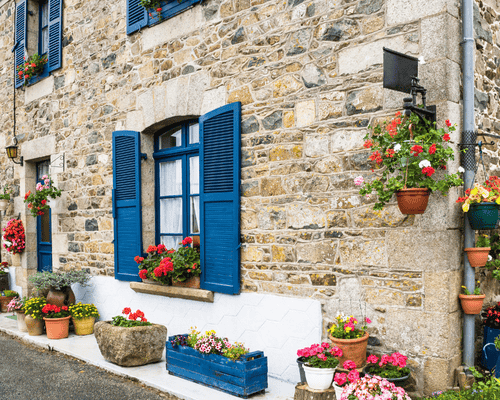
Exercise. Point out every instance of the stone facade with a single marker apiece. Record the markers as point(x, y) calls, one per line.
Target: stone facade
point(309, 76)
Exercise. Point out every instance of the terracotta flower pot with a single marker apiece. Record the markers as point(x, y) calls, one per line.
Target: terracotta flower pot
point(352, 349)
point(35, 326)
point(193, 282)
point(61, 298)
point(57, 328)
point(4, 301)
point(471, 303)
point(84, 326)
point(478, 256)
point(413, 201)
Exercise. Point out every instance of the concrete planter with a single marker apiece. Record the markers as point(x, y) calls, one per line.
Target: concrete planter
point(130, 347)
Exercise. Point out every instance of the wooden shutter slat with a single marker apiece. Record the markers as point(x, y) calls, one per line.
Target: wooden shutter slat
point(21, 33)
point(55, 35)
point(137, 16)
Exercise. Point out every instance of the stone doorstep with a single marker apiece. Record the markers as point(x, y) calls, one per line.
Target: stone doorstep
point(173, 291)
point(153, 375)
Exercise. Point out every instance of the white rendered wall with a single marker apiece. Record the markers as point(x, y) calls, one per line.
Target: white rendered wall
point(276, 325)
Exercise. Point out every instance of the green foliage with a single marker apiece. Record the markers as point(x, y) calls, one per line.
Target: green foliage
point(497, 342)
point(235, 352)
point(186, 262)
point(476, 291)
point(390, 371)
point(483, 241)
point(401, 165)
point(6, 193)
point(32, 67)
point(37, 201)
point(120, 320)
point(10, 293)
point(59, 280)
point(493, 264)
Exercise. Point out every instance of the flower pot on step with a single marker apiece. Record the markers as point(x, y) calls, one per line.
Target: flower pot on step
point(352, 349)
point(57, 328)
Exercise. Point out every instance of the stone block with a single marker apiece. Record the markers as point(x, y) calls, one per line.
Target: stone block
point(299, 42)
point(443, 77)
point(445, 27)
point(316, 145)
point(347, 140)
point(285, 86)
point(271, 217)
point(305, 217)
point(441, 291)
point(337, 219)
point(243, 94)
point(129, 347)
point(316, 252)
point(365, 100)
point(282, 153)
point(40, 89)
point(438, 374)
point(384, 297)
point(365, 252)
point(282, 254)
point(251, 254)
point(404, 11)
point(271, 187)
point(312, 76)
point(327, 110)
point(39, 148)
point(390, 216)
point(423, 250)
point(305, 112)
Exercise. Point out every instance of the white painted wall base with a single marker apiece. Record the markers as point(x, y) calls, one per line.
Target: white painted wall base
point(277, 325)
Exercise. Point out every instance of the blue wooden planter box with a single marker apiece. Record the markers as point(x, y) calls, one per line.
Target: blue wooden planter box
point(241, 378)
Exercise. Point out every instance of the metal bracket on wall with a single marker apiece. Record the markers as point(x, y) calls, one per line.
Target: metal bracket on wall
point(61, 163)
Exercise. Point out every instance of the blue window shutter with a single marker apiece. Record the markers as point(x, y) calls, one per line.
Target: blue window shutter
point(220, 199)
point(137, 16)
point(127, 204)
point(21, 33)
point(55, 34)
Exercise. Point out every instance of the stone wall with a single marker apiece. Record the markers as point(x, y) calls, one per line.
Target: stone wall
point(309, 76)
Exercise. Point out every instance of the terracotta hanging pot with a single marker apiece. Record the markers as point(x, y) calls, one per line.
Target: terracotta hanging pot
point(193, 282)
point(471, 303)
point(478, 256)
point(352, 349)
point(60, 298)
point(413, 201)
point(57, 328)
point(34, 326)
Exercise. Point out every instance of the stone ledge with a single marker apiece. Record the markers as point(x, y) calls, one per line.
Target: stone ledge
point(172, 291)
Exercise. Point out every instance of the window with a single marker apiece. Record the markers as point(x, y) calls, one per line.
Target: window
point(178, 184)
point(38, 30)
point(138, 17)
point(197, 176)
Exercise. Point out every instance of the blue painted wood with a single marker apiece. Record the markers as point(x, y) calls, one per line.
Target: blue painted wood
point(242, 378)
point(171, 8)
point(127, 203)
point(55, 35)
point(137, 16)
point(44, 248)
point(220, 164)
point(21, 34)
point(490, 354)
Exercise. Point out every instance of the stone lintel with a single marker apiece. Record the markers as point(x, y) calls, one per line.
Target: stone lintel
point(173, 291)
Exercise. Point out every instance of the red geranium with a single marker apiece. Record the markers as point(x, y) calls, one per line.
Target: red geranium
point(14, 237)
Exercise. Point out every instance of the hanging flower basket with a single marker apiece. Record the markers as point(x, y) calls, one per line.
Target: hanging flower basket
point(413, 201)
point(483, 216)
point(14, 237)
point(37, 202)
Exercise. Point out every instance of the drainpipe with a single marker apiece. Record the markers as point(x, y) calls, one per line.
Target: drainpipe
point(469, 162)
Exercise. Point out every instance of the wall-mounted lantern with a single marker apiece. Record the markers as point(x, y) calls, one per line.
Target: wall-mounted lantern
point(12, 153)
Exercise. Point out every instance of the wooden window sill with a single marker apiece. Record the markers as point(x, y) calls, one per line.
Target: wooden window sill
point(173, 291)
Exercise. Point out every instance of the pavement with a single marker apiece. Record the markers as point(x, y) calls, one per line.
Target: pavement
point(153, 375)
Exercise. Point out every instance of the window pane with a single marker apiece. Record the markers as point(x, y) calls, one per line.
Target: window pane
point(45, 40)
point(195, 214)
point(194, 175)
point(45, 226)
point(45, 15)
point(171, 215)
point(194, 133)
point(42, 169)
point(172, 138)
point(171, 242)
point(171, 178)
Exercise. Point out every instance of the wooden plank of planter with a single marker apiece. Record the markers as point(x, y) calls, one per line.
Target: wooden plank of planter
point(304, 392)
point(173, 291)
point(241, 378)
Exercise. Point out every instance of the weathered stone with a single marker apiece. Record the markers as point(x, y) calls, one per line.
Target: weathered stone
point(316, 146)
point(316, 252)
point(366, 252)
point(299, 42)
point(281, 153)
point(251, 254)
point(271, 187)
point(239, 36)
point(347, 140)
point(250, 125)
point(249, 189)
point(364, 101)
point(369, 6)
point(286, 86)
point(91, 160)
point(273, 121)
point(305, 217)
point(480, 100)
point(323, 279)
point(312, 76)
point(305, 112)
point(339, 30)
point(282, 254)
point(389, 216)
point(130, 347)
point(337, 219)
point(329, 110)
point(242, 94)
point(91, 225)
point(271, 218)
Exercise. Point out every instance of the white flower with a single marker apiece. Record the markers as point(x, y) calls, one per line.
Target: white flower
point(424, 163)
point(8, 243)
point(397, 147)
point(490, 258)
point(461, 170)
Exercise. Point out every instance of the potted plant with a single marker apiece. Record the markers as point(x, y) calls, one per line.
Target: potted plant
point(14, 236)
point(33, 309)
point(493, 262)
point(481, 204)
point(5, 198)
point(472, 303)
point(17, 305)
point(156, 266)
point(320, 363)
point(186, 265)
point(6, 297)
point(374, 388)
point(478, 256)
point(56, 321)
point(57, 285)
point(84, 316)
point(350, 338)
point(4, 276)
point(342, 379)
point(38, 201)
point(130, 341)
point(491, 330)
point(32, 67)
point(409, 151)
point(214, 361)
point(391, 367)
point(153, 6)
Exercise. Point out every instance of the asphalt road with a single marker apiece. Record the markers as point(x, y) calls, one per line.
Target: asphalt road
point(29, 373)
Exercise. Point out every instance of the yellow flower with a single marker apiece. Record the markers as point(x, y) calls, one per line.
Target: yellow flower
point(474, 191)
point(465, 207)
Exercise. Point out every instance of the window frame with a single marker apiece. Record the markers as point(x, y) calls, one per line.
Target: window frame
point(183, 152)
